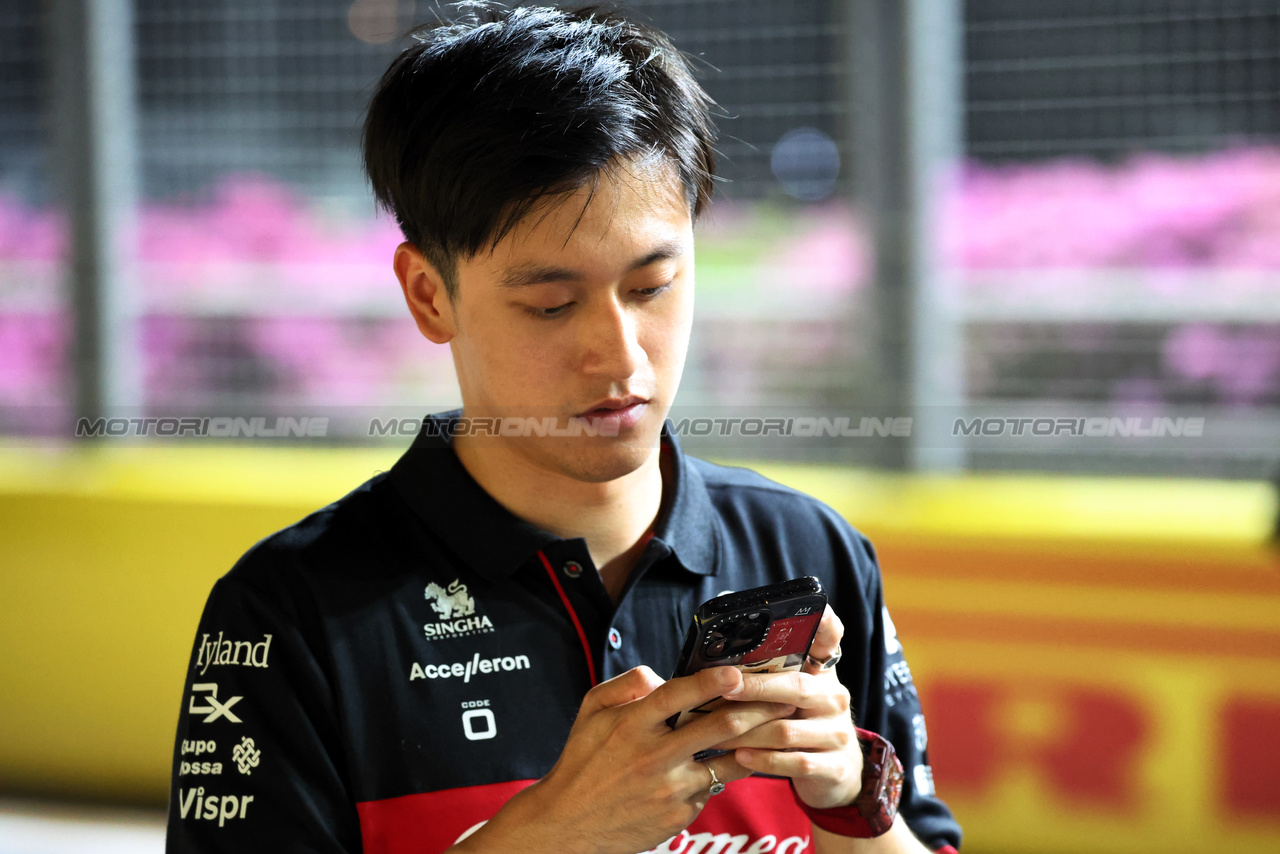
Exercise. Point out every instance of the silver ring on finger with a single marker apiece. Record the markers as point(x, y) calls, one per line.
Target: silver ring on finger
point(716, 786)
point(824, 663)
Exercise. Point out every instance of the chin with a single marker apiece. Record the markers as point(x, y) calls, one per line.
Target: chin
point(603, 464)
point(601, 459)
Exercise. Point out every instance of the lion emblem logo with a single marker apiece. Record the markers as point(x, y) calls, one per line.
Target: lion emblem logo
point(451, 603)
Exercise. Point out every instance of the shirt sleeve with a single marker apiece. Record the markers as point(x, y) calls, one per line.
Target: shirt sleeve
point(894, 711)
point(258, 763)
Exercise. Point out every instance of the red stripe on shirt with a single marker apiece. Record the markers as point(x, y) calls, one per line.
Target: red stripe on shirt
point(757, 813)
point(582, 636)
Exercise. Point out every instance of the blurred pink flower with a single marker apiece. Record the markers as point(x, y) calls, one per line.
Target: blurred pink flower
point(1242, 365)
point(1153, 210)
point(256, 241)
point(29, 234)
point(34, 360)
point(829, 256)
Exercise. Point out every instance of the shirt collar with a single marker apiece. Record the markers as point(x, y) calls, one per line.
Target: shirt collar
point(495, 542)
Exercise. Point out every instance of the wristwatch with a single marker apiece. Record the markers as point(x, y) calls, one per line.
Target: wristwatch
point(872, 812)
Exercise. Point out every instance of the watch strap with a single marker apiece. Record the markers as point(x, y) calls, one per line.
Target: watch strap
point(874, 809)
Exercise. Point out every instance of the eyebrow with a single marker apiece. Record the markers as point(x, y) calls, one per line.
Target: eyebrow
point(537, 274)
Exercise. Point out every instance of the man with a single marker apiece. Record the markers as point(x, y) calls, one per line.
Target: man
point(467, 652)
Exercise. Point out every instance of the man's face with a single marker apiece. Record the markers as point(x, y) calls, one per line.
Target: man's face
point(584, 310)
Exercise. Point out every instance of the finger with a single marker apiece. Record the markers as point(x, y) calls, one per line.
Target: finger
point(813, 694)
point(728, 721)
point(636, 683)
point(690, 692)
point(826, 642)
point(728, 770)
point(799, 764)
point(793, 734)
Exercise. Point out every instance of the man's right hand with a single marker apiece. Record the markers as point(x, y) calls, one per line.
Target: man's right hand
point(625, 781)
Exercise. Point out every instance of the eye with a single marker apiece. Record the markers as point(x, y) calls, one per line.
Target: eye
point(547, 313)
point(650, 293)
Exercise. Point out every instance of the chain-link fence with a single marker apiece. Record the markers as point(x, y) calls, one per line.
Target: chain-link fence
point(1128, 181)
point(1109, 244)
point(1107, 78)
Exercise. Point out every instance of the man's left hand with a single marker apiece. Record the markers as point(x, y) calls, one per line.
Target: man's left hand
point(817, 746)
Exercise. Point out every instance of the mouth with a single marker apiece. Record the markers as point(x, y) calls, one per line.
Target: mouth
point(617, 412)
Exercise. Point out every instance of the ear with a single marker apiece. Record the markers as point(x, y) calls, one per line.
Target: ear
point(425, 294)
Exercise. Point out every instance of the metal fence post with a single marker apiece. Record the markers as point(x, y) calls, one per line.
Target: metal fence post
point(95, 123)
point(935, 93)
point(907, 139)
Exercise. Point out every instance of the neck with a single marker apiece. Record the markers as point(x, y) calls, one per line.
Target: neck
point(613, 517)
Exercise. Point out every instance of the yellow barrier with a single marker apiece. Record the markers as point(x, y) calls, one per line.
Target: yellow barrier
point(1100, 659)
point(109, 555)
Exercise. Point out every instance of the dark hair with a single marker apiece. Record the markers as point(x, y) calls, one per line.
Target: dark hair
point(492, 112)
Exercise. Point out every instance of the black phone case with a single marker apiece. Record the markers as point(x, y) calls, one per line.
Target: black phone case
point(794, 608)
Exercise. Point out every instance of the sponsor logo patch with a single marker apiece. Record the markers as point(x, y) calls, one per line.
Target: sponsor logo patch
point(217, 652)
point(450, 602)
point(194, 803)
point(455, 612)
point(891, 643)
point(919, 733)
point(685, 842)
point(214, 709)
point(197, 747)
point(923, 775)
point(479, 725)
point(466, 669)
point(898, 685)
point(199, 768)
point(725, 843)
point(246, 756)
point(458, 628)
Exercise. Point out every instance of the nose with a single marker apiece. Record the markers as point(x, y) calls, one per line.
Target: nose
point(611, 342)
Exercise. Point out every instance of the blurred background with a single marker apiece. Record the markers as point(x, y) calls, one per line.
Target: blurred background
point(1008, 273)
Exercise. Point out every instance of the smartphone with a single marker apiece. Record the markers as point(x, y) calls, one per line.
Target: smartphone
point(762, 630)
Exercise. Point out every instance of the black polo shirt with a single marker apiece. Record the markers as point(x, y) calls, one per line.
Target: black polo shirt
point(386, 673)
